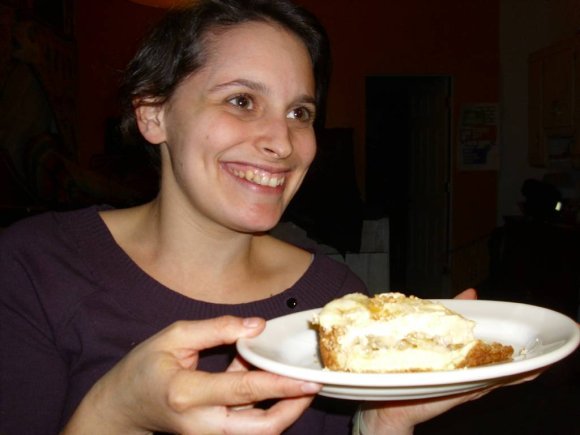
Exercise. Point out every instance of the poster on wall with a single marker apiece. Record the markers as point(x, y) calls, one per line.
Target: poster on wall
point(479, 137)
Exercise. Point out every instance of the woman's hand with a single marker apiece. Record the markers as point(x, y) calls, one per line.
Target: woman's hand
point(156, 387)
point(401, 417)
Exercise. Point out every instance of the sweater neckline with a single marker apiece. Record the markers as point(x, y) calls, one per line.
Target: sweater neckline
point(147, 298)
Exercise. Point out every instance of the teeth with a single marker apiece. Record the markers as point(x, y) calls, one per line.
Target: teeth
point(262, 180)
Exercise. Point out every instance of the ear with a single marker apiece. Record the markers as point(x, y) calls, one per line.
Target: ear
point(150, 121)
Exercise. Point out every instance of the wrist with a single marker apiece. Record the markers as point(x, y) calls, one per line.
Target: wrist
point(96, 414)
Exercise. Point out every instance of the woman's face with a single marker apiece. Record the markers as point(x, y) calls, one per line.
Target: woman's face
point(238, 134)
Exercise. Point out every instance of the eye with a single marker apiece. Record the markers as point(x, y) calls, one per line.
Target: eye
point(302, 114)
point(243, 102)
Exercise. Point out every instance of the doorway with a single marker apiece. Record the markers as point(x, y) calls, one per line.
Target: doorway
point(408, 176)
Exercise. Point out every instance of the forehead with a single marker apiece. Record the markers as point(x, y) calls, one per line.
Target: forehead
point(250, 32)
point(259, 44)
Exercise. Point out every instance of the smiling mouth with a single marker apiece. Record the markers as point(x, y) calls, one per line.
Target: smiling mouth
point(261, 179)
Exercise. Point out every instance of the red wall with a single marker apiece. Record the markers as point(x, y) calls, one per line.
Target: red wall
point(453, 37)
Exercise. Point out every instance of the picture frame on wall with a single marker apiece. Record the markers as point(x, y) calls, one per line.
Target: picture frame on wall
point(479, 137)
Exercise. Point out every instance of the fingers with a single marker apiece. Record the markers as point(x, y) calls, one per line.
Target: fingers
point(273, 420)
point(520, 379)
point(232, 395)
point(189, 389)
point(470, 293)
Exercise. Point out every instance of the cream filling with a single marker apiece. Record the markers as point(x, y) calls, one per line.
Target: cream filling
point(363, 358)
point(261, 179)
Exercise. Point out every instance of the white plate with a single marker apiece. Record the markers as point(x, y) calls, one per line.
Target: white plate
point(540, 337)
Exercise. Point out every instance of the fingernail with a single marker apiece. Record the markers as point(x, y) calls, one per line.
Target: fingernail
point(252, 322)
point(310, 387)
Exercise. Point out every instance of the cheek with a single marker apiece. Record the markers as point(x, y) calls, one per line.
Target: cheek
point(200, 145)
point(222, 132)
point(306, 149)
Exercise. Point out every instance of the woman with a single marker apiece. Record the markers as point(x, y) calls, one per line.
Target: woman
point(122, 321)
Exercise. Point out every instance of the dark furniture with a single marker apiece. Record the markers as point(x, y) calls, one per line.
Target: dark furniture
point(537, 262)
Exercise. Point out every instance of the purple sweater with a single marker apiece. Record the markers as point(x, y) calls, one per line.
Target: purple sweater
point(72, 303)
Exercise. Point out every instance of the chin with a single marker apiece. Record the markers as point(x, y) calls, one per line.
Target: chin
point(258, 225)
point(256, 228)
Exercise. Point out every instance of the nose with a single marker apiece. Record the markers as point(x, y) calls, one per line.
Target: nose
point(276, 139)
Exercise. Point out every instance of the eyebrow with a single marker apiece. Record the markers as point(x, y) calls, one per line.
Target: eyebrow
point(259, 87)
point(250, 84)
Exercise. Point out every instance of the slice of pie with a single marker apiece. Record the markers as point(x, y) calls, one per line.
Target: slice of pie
point(391, 332)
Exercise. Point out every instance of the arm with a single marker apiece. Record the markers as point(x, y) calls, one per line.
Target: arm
point(156, 388)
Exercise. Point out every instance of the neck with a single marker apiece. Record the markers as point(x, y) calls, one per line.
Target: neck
point(181, 237)
point(202, 262)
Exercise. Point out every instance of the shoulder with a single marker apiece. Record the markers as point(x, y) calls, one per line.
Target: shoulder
point(331, 267)
point(46, 227)
point(45, 248)
point(29, 237)
point(26, 227)
point(43, 272)
point(331, 277)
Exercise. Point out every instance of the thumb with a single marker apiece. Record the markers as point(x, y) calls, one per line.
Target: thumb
point(470, 293)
